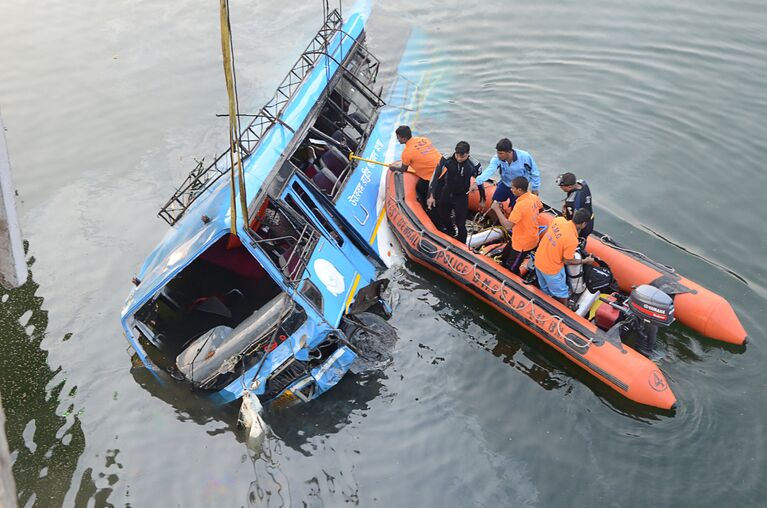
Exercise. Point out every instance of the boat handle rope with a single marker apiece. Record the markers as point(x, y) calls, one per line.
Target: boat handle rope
point(421, 245)
point(417, 232)
point(506, 300)
point(615, 245)
point(450, 265)
point(531, 302)
point(561, 334)
point(420, 242)
point(413, 230)
point(567, 338)
point(478, 278)
point(543, 321)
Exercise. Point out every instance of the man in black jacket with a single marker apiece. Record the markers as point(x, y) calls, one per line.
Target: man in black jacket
point(449, 189)
point(578, 196)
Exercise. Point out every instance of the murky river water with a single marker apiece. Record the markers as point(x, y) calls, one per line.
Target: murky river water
point(661, 106)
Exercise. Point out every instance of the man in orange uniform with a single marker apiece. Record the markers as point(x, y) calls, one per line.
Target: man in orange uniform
point(523, 223)
point(557, 249)
point(420, 156)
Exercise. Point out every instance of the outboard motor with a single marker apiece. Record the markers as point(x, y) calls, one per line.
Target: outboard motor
point(648, 308)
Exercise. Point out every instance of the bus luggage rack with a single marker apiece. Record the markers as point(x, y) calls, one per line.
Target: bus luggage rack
point(202, 177)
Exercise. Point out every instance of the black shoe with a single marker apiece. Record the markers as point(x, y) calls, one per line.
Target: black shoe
point(530, 278)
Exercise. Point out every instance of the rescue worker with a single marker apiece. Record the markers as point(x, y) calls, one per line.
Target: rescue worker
point(449, 189)
point(557, 249)
point(511, 162)
point(578, 196)
point(420, 156)
point(523, 223)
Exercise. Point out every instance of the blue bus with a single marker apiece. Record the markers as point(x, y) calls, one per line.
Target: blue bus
point(275, 309)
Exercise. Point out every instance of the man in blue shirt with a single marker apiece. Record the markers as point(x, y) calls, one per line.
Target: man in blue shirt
point(511, 163)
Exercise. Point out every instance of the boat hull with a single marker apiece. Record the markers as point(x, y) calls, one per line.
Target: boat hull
point(696, 307)
point(616, 365)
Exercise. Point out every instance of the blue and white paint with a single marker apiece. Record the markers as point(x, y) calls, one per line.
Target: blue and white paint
point(337, 268)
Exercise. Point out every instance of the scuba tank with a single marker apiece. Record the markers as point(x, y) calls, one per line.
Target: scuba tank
point(575, 276)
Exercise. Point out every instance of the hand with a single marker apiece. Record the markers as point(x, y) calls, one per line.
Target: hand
point(395, 166)
point(430, 202)
point(589, 259)
point(534, 192)
point(472, 187)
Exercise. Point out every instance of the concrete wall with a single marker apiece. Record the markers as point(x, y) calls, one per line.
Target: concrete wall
point(13, 270)
point(7, 487)
point(12, 273)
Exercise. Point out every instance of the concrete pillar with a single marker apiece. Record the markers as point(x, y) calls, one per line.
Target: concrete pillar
point(13, 270)
point(7, 486)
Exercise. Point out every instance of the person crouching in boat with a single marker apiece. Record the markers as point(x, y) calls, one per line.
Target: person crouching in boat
point(522, 222)
point(510, 162)
point(420, 156)
point(557, 249)
point(450, 183)
point(578, 196)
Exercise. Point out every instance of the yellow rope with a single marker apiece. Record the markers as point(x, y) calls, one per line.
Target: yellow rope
point(235, 156)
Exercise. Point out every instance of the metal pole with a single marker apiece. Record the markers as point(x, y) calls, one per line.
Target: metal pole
point(354, 157)
point(12, 266)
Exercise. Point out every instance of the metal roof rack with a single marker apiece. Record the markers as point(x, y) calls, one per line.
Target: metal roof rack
point(202, 177)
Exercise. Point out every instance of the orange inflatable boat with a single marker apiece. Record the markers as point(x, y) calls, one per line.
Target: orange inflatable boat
point(578, 337)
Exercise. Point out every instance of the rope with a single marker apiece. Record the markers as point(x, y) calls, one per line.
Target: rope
point(531, 302)
point(420, 240)
point(418, 232)
point(449, 264)
point(235, 155)
point(503, 285)
point(533, 314)
point(608, 240)
point(421, 245)
point(477, 278)
point(542, 321)
point(558, 329)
